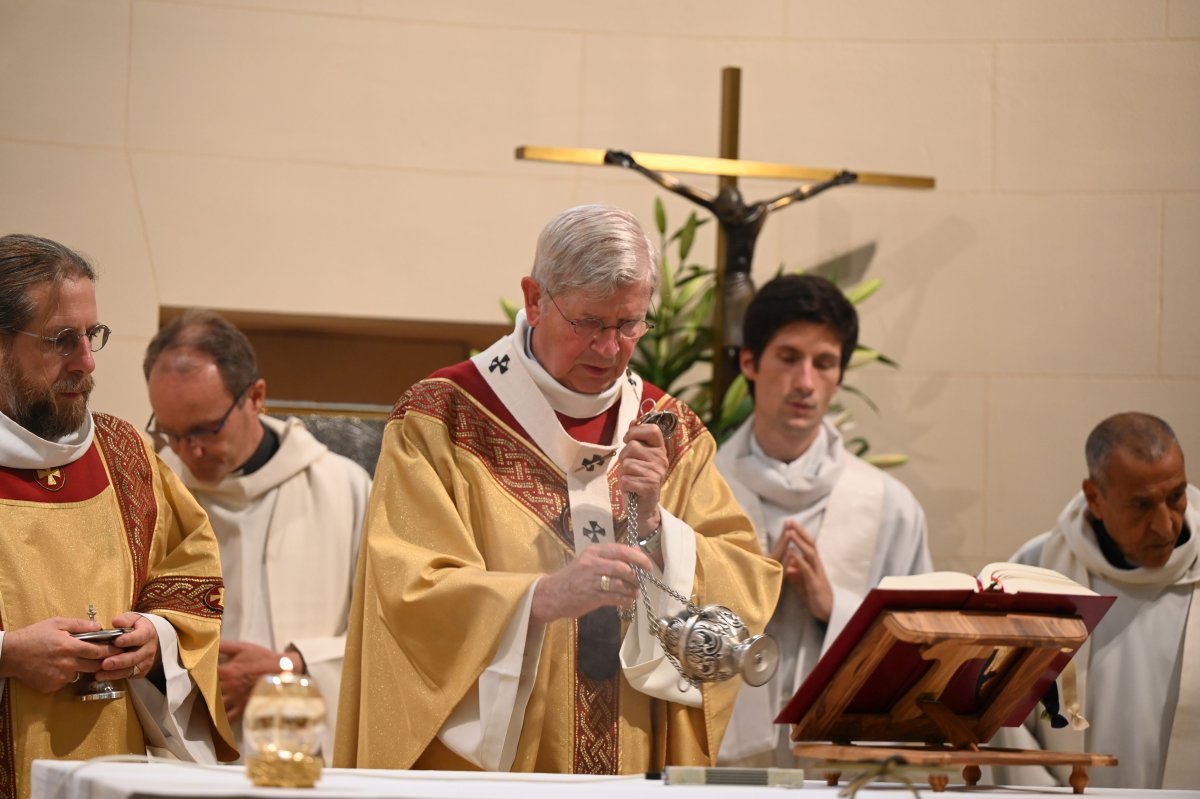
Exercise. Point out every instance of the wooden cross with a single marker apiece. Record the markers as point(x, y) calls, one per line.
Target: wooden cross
point(737, 234)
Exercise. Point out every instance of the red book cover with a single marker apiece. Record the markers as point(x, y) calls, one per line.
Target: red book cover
point(903, 666)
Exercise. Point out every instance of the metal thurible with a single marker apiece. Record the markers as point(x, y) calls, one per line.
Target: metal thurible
point(708, 644)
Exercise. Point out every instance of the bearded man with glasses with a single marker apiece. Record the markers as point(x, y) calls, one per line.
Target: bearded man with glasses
point(93, 525)
point(287, 511)
point(485, 631)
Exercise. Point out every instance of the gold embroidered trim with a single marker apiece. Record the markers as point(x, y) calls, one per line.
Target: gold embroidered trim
point(133, 481)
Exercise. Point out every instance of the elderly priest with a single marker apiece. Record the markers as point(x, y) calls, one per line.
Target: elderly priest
point(1131, 532)
point(93, 526)
point(485, 631)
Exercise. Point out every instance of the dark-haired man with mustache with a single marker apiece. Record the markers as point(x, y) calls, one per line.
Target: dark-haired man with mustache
point(91, 524)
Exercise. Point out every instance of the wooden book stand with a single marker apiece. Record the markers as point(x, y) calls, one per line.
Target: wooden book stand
point(942, 682)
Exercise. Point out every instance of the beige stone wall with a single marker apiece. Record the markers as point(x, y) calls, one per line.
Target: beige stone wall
point(356, 157)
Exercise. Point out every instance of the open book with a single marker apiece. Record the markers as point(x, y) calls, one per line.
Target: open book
point(984, 649)
point(1010, 578)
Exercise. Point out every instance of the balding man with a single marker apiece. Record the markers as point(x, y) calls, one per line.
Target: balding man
point(287, 511)
point(1131, 533)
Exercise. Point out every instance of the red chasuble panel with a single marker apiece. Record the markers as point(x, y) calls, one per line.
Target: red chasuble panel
point(75, 482)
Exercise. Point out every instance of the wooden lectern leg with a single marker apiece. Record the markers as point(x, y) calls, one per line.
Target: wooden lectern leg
point(972, 774)
point(832, 777)
point(1079, 778)
point(938, 782)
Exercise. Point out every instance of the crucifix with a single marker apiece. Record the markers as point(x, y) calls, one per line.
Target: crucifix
point(739, 222)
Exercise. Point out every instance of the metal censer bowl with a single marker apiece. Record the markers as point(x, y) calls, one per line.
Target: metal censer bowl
point(712, 644)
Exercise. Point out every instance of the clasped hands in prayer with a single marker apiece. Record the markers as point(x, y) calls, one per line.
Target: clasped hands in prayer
point(603, 575)
point(803, 569)
point(47, 658)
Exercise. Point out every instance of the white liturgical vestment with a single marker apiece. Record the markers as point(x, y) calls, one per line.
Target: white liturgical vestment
point(289, 535)
point(867, 526)
point(1138, 674)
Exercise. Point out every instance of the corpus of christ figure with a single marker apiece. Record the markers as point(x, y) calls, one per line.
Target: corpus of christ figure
point(741, 223)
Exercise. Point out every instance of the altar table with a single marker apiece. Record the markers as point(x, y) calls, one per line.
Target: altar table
point(59, 779)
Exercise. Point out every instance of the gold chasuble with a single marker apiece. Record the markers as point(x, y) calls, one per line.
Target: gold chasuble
point(116, 529)
point(466, 513)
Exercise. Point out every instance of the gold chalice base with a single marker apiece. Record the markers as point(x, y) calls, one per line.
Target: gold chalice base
point(274, 772)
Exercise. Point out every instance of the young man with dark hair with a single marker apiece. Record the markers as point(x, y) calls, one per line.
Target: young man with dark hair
point(835, 523)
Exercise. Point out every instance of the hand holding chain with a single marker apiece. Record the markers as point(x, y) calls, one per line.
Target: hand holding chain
point(707, 644)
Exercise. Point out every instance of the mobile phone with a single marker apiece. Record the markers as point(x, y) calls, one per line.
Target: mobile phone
point(102, 636)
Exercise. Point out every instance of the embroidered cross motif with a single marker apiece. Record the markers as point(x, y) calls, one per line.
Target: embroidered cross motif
point(215, 598)
point(593, 532)
point(499, 363)
point(51, 479)
point(591, 463)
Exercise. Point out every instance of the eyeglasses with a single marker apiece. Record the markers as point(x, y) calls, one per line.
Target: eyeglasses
point(67, 340)
point(591, 328)
point(197, 435)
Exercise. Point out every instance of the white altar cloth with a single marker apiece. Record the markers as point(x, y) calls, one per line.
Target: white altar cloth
point(59, 779)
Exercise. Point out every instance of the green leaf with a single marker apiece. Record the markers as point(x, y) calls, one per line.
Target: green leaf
point(695, 225)
point(840, 417)
point(858, 445)
point(861, 395)
point(687, 288)
point(859, 292)
point(863, 356)
point(739, 389)
point(687, 237)
point(510, 309)
point(666, 286)
point(660, 216)
point(887, 461)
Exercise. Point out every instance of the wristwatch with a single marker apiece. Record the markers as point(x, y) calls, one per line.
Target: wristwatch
point(651, 544)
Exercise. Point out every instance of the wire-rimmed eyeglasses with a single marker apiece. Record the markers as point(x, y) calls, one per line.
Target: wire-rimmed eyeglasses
point(67, 340)
point(201, 434)
point(590, 327)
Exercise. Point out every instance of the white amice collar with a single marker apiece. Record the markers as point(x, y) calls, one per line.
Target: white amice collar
point(796, 485)
point(21, 449)
point(1183, 567)
point(805, 467)
point(561, 399)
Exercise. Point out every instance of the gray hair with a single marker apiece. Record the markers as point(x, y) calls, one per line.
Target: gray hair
point(1145, 437)
point(211, 334)
point(27, 261)
point(595, 249)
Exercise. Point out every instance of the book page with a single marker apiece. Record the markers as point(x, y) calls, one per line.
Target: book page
point(930, 581)
point(1013, 578)
point(1010, 578)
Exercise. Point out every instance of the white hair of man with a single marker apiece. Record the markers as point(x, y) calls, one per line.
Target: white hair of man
point(595, 249)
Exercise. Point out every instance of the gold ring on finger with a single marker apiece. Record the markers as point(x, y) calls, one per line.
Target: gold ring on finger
point(605, 583)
